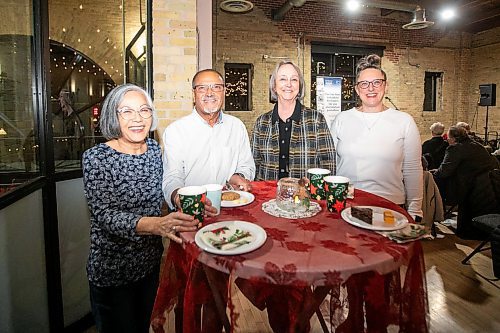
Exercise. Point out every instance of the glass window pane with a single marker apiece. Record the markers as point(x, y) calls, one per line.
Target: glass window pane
point(18, 144)
point(344, 64)
point(90, 55)
point(321, 64)
point(238, 78)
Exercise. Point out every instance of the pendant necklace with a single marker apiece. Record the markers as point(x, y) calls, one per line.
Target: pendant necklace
point(373, 120)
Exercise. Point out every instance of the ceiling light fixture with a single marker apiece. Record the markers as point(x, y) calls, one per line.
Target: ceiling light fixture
point(419, 21)
point(236, 6)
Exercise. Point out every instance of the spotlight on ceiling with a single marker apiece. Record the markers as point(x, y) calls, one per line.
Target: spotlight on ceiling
point(448, 14)
point(352, 5)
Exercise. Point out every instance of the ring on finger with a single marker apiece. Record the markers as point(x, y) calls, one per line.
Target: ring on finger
point(174, 228)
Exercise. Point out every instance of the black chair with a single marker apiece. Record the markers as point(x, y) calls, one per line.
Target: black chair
point(489, 225)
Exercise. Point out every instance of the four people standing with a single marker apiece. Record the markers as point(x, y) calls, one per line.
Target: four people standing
point(376, 146)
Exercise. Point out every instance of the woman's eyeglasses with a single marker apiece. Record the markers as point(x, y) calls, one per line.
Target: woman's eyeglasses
point(129, 113)
point(203, 88)
point(375, 83)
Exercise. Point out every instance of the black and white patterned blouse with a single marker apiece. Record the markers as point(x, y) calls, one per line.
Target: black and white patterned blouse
point(120, 189)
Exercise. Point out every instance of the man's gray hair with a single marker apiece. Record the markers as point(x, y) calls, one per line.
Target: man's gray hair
point(109, 122)
point(272, 81)
point(437, 128)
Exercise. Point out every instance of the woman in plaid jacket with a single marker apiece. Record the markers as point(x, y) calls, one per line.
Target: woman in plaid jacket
point(290, 138)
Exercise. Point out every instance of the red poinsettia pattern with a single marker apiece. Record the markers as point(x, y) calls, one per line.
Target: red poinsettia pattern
point(322, 250)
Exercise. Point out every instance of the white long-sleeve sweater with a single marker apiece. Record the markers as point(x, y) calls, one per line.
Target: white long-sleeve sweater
point(381, 154)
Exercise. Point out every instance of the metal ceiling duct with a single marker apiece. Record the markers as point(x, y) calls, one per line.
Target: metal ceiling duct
point(279, 14)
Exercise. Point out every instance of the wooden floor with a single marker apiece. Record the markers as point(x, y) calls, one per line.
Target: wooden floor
point(462, 298)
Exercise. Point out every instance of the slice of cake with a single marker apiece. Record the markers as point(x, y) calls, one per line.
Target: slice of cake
point(388, 217)
point(363, 214)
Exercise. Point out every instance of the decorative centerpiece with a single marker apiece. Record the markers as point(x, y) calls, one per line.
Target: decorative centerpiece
point(292, 195)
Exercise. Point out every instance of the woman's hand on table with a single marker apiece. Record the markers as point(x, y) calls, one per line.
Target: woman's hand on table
point(167, 226)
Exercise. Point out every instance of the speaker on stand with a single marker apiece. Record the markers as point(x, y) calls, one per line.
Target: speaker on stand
point(488, 97)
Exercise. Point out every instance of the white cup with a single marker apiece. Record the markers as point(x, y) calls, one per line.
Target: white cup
point(214, 193)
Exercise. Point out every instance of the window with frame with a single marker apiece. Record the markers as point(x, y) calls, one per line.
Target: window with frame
point(338, 61)
point(432, 90)
point(238, 78)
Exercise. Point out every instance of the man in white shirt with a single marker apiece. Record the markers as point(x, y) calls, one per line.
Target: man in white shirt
point(207, 146)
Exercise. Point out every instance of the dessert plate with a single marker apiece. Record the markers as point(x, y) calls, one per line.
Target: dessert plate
point(378, 219)
point(230, 237)
point(244, 199)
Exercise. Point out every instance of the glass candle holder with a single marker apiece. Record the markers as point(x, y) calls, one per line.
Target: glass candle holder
point(292, 195)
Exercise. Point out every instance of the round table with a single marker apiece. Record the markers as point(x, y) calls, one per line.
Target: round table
point(322, 253)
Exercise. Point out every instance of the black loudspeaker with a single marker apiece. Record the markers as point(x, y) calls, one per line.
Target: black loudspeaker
point(488, 94)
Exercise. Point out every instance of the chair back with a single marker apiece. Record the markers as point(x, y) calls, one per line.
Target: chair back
point(495, 183)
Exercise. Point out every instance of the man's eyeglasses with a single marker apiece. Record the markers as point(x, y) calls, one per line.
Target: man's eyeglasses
point(375, 83)
point(129, 113)
point(203, 88)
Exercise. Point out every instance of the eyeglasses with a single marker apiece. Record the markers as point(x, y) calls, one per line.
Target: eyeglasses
point(129, 113)
point(375, 83)
point(203, 88)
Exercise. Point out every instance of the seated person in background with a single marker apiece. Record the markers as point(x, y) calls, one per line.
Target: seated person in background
point(434, 148)
point(207, 146)
point(471, 134)
point(466, 166)
point(290, 138)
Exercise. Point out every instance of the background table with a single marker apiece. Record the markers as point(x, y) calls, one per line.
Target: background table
point(383, 282)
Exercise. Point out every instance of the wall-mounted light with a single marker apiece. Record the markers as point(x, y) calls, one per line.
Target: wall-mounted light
point(2, 131)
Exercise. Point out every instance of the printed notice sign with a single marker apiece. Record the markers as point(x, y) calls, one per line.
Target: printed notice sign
point(329, 96)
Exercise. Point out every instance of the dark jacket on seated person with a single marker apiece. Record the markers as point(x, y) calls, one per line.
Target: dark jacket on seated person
point(434, 150)
point(466, 167)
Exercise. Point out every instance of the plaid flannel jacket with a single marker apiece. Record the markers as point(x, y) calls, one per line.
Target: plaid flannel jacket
point(311, 145)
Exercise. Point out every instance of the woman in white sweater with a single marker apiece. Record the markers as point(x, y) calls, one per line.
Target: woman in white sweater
point(379, 147)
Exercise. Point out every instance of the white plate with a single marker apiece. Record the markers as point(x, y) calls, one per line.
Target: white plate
point(378, 219)
point(257, 237)
point(244, 199)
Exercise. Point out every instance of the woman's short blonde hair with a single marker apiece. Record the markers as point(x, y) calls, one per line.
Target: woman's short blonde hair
point(272, 81)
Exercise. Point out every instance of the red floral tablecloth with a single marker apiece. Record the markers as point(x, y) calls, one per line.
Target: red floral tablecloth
point(372, 281)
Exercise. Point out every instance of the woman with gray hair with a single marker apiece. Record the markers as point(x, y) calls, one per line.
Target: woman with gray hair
point(122, 182)
point(433, 149)
point(290, 138)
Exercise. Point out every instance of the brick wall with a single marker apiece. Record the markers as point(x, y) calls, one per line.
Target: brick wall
point(408, 55)
point(174, 58)
point(484, 69)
